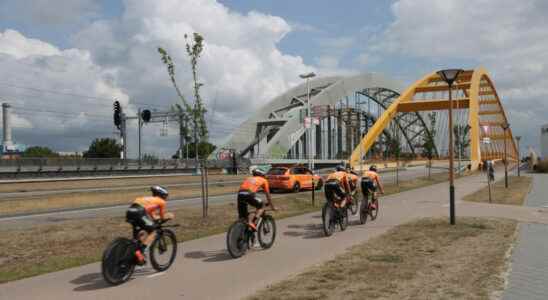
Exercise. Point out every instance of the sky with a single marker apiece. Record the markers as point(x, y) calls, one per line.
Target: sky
point(64, 61)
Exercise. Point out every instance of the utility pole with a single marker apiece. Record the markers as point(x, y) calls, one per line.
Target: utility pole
point(308, 115)
point(505, 127)
point(139, 125)
point(519, 158)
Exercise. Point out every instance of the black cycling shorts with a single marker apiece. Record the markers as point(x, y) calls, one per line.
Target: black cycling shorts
point(367, 185)
point(245, 198)
point(138, 217)
point(333, 190)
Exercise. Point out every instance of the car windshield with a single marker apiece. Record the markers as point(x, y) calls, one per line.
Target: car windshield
point(277, 171)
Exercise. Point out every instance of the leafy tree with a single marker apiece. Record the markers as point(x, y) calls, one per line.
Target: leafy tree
point(103, 148)
point(429, 146)
point(37, 151)
point(149, 158)
point(204, 150)
point(462, 138)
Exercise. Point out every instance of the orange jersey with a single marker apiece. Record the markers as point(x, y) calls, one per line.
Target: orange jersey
point(340, 176)
point(371, 174)
point(152, 205)
point(254, 184)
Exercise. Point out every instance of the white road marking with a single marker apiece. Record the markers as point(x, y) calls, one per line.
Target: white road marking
point(156, 275)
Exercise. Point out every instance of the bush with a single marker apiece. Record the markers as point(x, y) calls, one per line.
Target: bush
point(542, 166)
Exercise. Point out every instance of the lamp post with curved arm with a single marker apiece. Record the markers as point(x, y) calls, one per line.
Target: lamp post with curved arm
point(449, 76)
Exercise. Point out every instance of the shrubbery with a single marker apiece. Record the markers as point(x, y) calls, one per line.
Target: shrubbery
point(542, 166)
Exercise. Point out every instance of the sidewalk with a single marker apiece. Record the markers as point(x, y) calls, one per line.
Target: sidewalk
point(203, 269)
point(529, 264)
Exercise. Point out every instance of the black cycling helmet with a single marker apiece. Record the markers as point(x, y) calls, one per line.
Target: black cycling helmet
point(158, 191)
point(373, 168)
point(258, 172)
point(340, 168)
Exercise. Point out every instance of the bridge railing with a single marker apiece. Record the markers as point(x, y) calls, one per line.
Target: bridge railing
point(64, 166)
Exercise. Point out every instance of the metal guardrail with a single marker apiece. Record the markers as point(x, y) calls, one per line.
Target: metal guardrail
point(26, 167)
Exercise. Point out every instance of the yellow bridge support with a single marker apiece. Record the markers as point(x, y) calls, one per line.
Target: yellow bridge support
point(486, 114)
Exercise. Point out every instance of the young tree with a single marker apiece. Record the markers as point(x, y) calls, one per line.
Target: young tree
point(195, 113)
point(103, 148)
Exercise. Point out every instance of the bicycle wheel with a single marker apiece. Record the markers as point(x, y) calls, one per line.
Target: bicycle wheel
point(374, 212)
point(236, 239)
point(343, 219)
point(118, 261)
point(163, 250)
point(363, 211)
point(267, 232)
point(328, 219)
point(354, 205)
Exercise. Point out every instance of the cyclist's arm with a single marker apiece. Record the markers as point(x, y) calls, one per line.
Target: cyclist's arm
point(346, 184)
point(266, 189)
point(381, 188)
point(162, 209)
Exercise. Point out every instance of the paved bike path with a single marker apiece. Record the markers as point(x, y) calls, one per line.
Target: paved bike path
point(203, 269)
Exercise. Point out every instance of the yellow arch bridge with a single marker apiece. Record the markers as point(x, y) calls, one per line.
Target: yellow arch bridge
point(476, 98)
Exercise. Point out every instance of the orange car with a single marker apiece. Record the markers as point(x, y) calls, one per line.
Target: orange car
point(292, 179)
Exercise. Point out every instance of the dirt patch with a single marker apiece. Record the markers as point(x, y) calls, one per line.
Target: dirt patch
point(425, 259)
point(515, 194)
point(66, 244)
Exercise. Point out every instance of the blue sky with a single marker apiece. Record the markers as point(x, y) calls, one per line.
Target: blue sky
point(106, 48)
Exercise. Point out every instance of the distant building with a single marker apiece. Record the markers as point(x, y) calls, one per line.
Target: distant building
point(12, 151)
point(544, 141)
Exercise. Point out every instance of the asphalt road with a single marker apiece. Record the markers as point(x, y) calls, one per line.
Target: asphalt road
point(33, 219)
point(34, 194)
point(388, 177)
point(203, 269)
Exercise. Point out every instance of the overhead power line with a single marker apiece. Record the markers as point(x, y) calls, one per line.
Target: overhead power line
point(72, 94)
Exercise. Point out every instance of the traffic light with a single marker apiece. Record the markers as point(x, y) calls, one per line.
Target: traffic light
point(117, 114)
point(146, 115)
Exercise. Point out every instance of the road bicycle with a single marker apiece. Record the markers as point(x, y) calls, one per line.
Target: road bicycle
point(119, 258)
point(369, 208)
point(241, 237)
point(353, 202)
point(333, 216)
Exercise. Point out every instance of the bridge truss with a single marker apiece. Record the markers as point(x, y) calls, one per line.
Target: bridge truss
point(477, 105)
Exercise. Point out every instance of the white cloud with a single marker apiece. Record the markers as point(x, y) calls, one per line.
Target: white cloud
point(15, 44)
point(45, 86)
point(241, 65)
point(509, 38)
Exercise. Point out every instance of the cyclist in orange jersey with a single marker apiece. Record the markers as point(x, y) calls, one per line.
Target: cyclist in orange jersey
point(337, 185)
point(370, 181)
point(246, 195)
point(143, 212)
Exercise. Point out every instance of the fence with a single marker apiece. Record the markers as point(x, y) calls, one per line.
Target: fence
point(37, 167)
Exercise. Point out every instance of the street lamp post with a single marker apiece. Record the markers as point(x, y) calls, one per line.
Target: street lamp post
point(519, 158)
point(309, 130)
point(449, 76)
point(505, 127)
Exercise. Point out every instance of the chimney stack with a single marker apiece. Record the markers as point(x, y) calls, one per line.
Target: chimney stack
point(6, 141)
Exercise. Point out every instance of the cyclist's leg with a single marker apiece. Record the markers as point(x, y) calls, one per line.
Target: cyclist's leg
point(243, 212)
point(258, 204)
point(341, 194)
